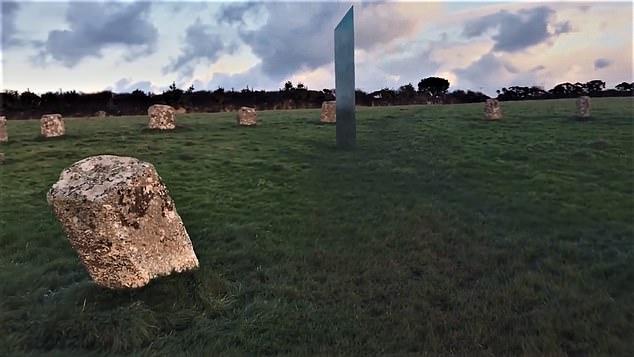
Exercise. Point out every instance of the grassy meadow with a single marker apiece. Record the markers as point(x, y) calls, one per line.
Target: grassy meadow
point(441, 233)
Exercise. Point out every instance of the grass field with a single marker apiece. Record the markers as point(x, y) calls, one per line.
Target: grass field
point(441, 234)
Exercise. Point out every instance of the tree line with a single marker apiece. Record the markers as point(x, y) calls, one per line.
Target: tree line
point(430, 90)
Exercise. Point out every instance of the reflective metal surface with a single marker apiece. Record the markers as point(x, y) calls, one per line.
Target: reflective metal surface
point(344, 82)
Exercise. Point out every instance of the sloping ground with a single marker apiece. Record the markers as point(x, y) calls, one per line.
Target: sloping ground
point(441, 233)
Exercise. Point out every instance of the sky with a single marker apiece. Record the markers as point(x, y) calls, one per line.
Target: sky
point(91, 46)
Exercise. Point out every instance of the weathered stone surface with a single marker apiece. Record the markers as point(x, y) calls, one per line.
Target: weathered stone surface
point(247, 116)
point(583, 107)
point(492, 109)
point(181, 110)
point(101, 114)
point(52, 125)
point(328, 112)
point(122, 222)
point(162, 117)
point(4, 135)
point(2, 158)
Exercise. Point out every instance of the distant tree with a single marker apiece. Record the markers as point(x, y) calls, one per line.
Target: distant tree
point(567, 90)
point(361, 97)
point(29, 100)
point(173, 96)
point(407, 91)
point(461, 96)
point(138, 93)
point(300, 85)
point(595, 87)
point(328, 94)
point(50, 101)
point(521, 93)
point(624, 87)
point(434, 86)
point(288, 85)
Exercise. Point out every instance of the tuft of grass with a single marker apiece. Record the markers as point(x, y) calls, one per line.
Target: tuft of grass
point(441, 233)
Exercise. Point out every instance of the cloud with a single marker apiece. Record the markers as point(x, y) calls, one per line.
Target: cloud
point(9, 10)
point(125, 85)
point(518, 31)
point(234, 13)
point(93, 27)
point(378, 24)
point(286, 43)
point(254, 78)
point(201, 43)
point(487, 73)
point(600, 63)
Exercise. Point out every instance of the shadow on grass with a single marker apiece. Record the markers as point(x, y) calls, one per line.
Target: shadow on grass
point(318, 123)
point(41, 138)
point(179, 128)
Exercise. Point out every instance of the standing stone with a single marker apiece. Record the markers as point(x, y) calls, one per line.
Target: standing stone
point(344, 82)
point(119, 217)
point(328, 112)
point(101, 114)
point(162, 117)
point(492, 109)
point(2, 158)
point(4, 135)
point(52, 125)
point(247, 116)
point(583, 107)
point(181, 110)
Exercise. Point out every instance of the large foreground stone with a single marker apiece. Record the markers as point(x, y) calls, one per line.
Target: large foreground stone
point(162, 117)
point(492, 109)
point(4, 136)
point(52, 125)
point(120, 219)
point(328, 112)
point(247, 116)
point(583, 107)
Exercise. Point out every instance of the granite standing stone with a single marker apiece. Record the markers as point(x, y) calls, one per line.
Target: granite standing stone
point(4, 135)
point(583, 107)
point(52, 125)
point(492, 109)
point(161, 117)
point(344, 82)
point(119, 217)
point(247, 116)
point(328, 112)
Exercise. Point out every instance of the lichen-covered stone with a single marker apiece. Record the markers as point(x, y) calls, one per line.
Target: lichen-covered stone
point(52, 125)
point(162, 117)
point(247, 116)
point(583, 107)
point(328, 112)
point(492, 109)
point(4, 135)
point(120, 219)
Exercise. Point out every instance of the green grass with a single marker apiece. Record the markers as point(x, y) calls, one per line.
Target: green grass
point(441, 234)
